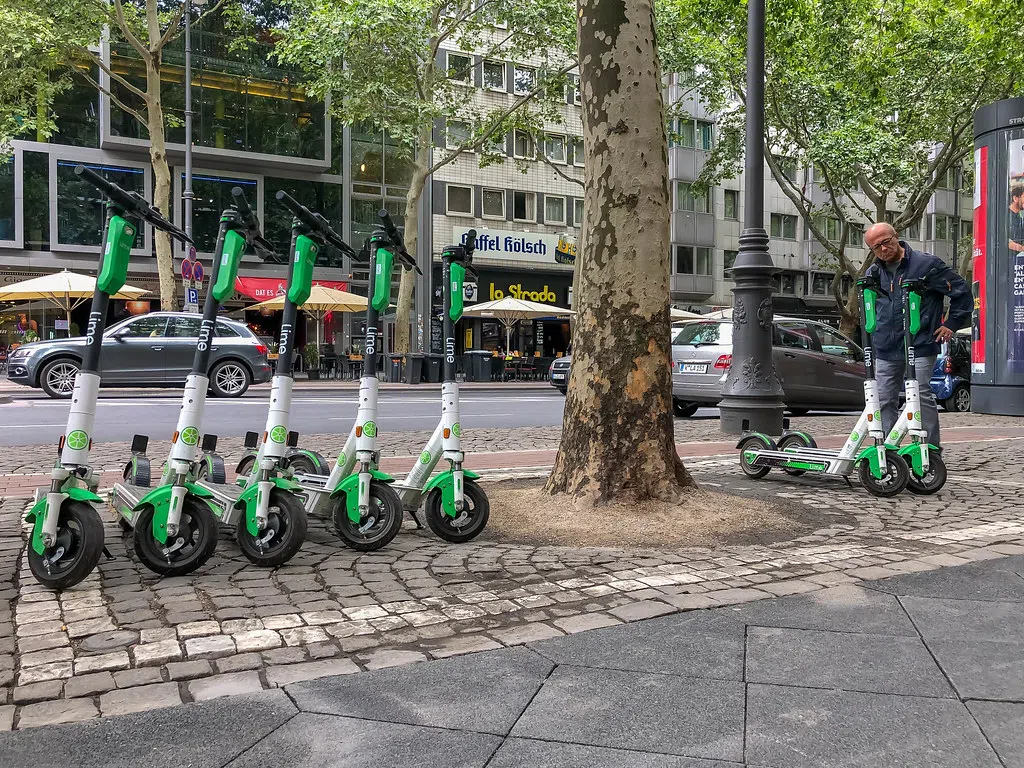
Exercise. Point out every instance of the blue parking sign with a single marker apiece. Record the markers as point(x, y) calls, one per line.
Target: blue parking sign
point(191, 295)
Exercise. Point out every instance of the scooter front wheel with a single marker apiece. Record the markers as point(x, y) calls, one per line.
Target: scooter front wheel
point(378, 527)
point(194, 543)
point(77, 550)
point(798, 441)
point(754, 443)
point(933, 479)
point(281, 539)
point(468, 523)
point(892, 482)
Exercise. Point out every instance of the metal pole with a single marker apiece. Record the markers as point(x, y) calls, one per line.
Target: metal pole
point(187, 194)
point(752, 392)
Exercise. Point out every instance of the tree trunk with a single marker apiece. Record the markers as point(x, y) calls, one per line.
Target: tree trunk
point(403, 310)
point(617, 439)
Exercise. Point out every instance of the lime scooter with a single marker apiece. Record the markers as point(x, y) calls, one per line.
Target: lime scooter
point(927, 470)
point(273, 525)
point(175, 528)
point(455, 506)
point(67, 530)
point(882, 472)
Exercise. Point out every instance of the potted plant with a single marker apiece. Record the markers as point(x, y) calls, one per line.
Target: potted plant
point(311, 355)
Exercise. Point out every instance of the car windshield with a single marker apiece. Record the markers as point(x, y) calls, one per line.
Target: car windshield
point(693, 334)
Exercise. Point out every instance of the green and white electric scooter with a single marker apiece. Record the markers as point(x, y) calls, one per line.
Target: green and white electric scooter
point(882, 472)
point(67, 530)
point(271, 516)
point(455, 506)
point(175, 523)
point(927, 470)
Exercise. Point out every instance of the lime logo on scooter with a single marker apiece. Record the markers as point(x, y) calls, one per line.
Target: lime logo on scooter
point(425, 457)
point(457, 429)
point(370, 429)
point(77, 440)
point(278, 434)
point(855, 437)
point(190, 435)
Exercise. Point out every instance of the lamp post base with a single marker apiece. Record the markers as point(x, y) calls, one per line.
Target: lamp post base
point(761, 415)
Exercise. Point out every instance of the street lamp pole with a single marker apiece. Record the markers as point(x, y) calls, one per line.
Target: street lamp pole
point(752, 392)
point(187, 195)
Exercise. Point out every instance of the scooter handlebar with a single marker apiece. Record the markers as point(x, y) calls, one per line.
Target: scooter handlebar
point(253, 234)
point(133, 203)
point(407, 259)
point(316, 222)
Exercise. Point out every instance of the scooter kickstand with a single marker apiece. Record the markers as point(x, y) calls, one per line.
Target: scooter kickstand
point(416, 519)
point(848, 483)
point(106, 553)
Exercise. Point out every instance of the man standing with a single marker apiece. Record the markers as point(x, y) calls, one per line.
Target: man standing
point(895, 262)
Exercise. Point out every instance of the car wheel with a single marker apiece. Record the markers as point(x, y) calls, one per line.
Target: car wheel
point(563, 390)
point(58, 378)
point(684, 409)
point(960, 400)
point(229, 379)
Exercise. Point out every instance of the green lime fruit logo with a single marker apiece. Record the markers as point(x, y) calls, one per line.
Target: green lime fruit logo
point(917, 416)
point(190, 435)
point(78, 440)
point(425, 457)
point(278, 434)
point(878, 415)
point(370, 429)
point(854, 436)
point(341, 458)
point(457, 429)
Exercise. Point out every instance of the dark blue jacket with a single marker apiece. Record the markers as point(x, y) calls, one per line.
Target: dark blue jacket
point(940, 281)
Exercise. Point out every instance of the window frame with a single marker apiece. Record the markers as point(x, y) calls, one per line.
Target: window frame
point(19, 202)
point(529, 195)
point(578, 158)
point(516, 133)
point(448, 67)
point(574, 87)
point(447, 199)
point(783, 218)
point(706, 197)
point(447, 131)
point(515, 80)
point(483, 205)
point(548, 137)
point(577, 221)
point(547, 220)
point(733, 194)
point(698, 126)
point(504, 76)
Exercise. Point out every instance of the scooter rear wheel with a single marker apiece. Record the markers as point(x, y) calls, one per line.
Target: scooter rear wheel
point(794, 441)
point(754, 443)
point(80, 533)
point(465, 526)
point(193, 545)
point(933, 479)
point(378, 527)
point(892, 483)
point(282, 538)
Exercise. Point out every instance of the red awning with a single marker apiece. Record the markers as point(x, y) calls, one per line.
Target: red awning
point(263, 288)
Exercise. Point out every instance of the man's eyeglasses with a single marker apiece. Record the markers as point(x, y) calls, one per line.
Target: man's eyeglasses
point(883, 244)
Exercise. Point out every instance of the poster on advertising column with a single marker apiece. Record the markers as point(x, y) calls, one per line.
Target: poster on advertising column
point(1015, 233)
point(978, 266)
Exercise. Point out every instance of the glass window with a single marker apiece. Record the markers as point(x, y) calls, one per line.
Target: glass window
point(554, 148)
point(730, 258)
point(522, 147)
point(948, 179)
point(732, 204)
point(856, 235)
point(966, 228)
point(703, 261)
point(574, 89)
point(225, 330)
point(943, 228)
point(494, 203)
point(788, 166)
point(793, 334)
point(324, 198)
point(783, 226)
point(684, 260)
point(460, 67)
point(36, 206)
point(76, 111)
point(184, 327)
point(460, 200)
point(704, 332)
point(688, 200)
point(524, 206)
point(554, 209)
point(523, 79)
point(81, 213)
point(686, 133)
point(367, 157)
point(789, 283)
point(578, 155)
point(821, 284)
point(577, 211)
point(704, 135)
point(495, 145)
point(457, 134)
point(212, 196)
point(834, 343)
point(145, 327)
point(7, 218)
point(494, 75)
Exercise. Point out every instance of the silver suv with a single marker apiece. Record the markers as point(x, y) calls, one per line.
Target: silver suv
point(817, 365)
point(147, 351)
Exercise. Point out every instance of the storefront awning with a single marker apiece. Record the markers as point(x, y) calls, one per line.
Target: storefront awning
point(263, 288)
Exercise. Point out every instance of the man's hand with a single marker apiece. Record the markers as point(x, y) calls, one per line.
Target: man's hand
point(943, 334)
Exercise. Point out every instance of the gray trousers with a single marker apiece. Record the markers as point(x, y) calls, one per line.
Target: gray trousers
point(889, 374)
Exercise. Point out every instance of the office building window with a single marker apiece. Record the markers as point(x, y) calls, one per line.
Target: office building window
point(856, 235)
point(554, 148)
point(787, 165)
point(378, 160)
point(732, 204)
point(523, 79)
point(7, 218)
point(945, 228)
point(966, 228)
point(688, 200)
point(692, 261)
point(522, 146)
point(36, 206)
point(685, 133)
point(494, 75)
point(783, 226)
point(554, 209)
point(494, 203)
point(212, 196)
point(460, 68)
point(788, 283)
point(833, 229)
point(457, 134)
point(578, 156)
point(821, 284)
point(81, 209)
point(319, 196)
point(524, 206)
point(704, 134)
point(948, 180)
point(577, 211)
point(730, 259)
point(574, 89)
point(460, 200)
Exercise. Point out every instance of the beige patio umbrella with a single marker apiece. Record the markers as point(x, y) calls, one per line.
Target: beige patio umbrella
point(65, 290)
point(682, 314)
point(321, 301)
point(510, 311)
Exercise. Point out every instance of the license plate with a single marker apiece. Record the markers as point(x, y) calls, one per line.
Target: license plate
point(693, 367)
point(557, 376)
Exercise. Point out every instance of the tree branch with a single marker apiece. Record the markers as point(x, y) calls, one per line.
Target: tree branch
point(120, 104)
point(554, 166)
point(173, 31)
point(172, 28)
point(130, 36)
point(98, 61)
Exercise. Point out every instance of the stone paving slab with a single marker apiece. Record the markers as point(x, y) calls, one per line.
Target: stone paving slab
point(970, 582)
point(517, 753)
point(1003, 726)
point(983, 669)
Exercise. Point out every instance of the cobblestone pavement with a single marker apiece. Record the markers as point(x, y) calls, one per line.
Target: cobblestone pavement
point(125, 640)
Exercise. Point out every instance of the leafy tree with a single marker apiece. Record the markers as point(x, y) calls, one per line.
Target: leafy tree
point(618, 438)
point(379, 62)
point(877, 98)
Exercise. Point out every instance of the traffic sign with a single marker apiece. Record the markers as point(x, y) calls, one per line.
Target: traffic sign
point(192, 253)
point(192, 296)
point(186, 269)
point(197, 271)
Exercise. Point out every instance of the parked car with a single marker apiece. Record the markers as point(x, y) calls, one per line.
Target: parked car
point(951, 376)
point(154, 350)
point(818, 366)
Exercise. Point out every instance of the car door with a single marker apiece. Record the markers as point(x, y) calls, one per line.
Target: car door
point(133, 354)
point(844, 368)
point(797, 362)
point(182, 337)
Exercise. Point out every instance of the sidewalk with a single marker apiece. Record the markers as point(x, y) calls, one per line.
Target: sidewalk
point(924, 669)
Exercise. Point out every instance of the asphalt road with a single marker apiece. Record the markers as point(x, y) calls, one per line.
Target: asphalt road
point(34, 419)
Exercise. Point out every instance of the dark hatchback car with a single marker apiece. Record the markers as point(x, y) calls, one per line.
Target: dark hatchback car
point(951, 377)
point(154, 350)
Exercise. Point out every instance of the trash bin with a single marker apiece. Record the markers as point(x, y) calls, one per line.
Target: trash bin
point(432, 368)
point(413, 369)
point(396, 367)
point(478, 365)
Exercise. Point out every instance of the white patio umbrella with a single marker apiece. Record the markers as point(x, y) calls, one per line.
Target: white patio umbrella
point(682, 314)
point(321, 301)
point(510, 311)
point(65, 290)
